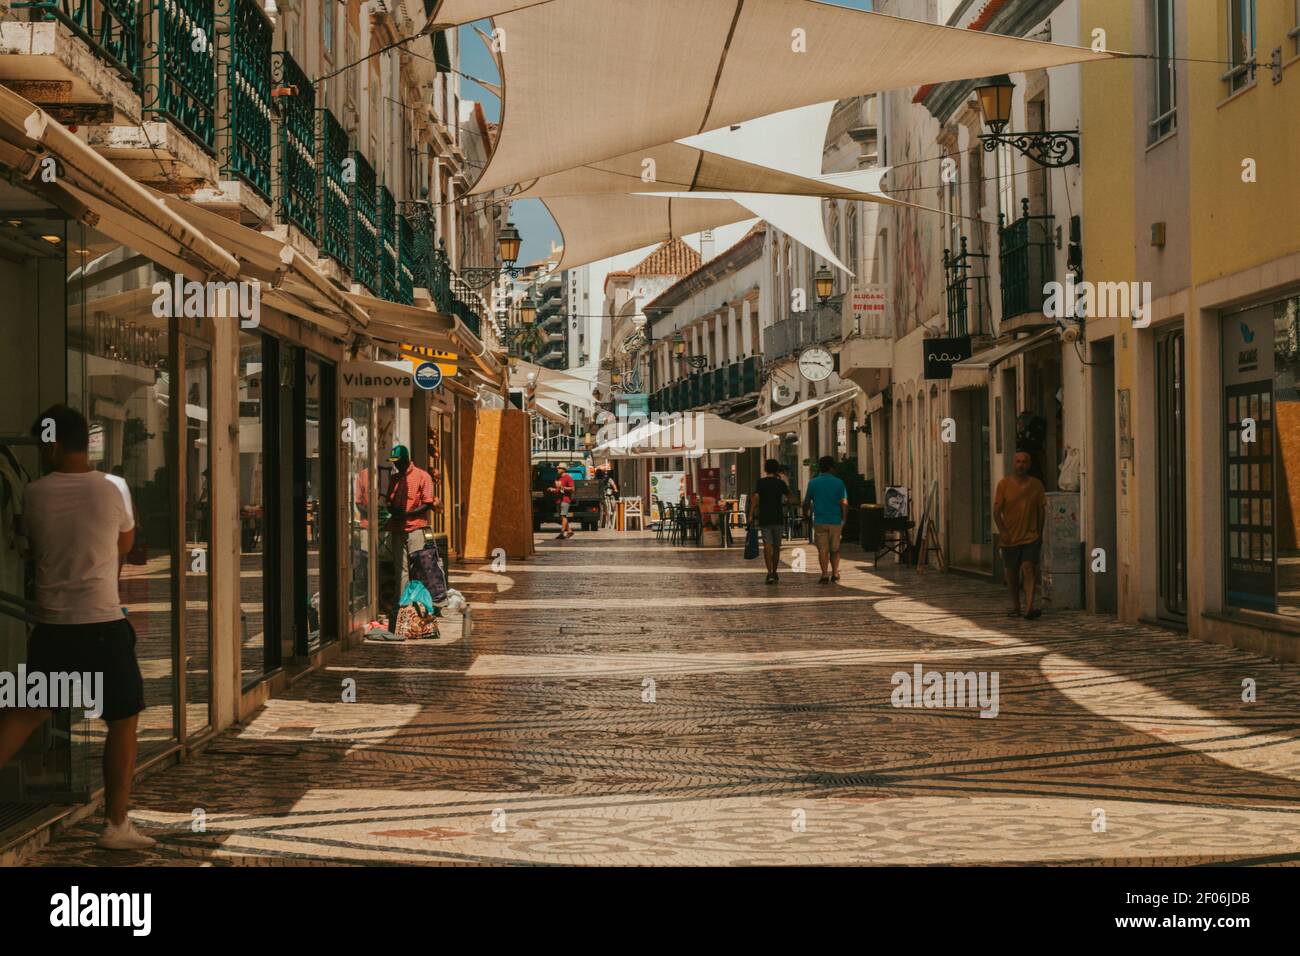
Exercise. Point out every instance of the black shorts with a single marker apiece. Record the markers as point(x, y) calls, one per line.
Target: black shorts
point(107, 648)
point(1019, 554)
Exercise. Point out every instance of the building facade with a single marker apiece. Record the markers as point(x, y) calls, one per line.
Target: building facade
point(218, 220)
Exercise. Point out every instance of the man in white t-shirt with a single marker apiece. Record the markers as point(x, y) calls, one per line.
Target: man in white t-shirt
point(79, 525)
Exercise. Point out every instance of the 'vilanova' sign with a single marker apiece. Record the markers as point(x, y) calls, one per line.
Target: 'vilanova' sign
point(374, 380)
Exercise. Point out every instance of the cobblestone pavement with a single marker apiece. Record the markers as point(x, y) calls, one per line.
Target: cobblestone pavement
point(622, 701)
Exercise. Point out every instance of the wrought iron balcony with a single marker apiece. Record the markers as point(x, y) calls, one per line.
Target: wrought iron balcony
point(966, 280)
point(295, 187)
point(822, 324)
point(246, 143)
point(1025, 255)
point(388, 264)
point(419, 253)
point(408, 256)
point(335, 198)
point(179, 71)
point(110, 28)
point(365, 223)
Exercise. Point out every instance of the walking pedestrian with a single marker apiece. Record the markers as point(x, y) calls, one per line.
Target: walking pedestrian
point(79, 527)
point(409, 500)
point(564, 488)
point(1020, 510)
point(828, 500)
point(609, 498)
point(770, 496)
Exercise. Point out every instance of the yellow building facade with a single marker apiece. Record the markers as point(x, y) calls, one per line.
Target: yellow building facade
point(1192, 202)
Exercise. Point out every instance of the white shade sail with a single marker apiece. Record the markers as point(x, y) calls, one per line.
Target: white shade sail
point(691, 435)
point(573, 97)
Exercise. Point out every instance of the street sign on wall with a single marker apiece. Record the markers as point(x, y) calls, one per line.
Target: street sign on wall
point(375, 380)
point(870, 311)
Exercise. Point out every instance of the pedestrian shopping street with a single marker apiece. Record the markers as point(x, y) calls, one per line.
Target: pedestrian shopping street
point(624, 701)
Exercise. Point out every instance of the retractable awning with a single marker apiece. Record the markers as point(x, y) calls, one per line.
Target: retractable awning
point(974, 372)
point(99, 194)
point(294, 283)
point(800, 410)
point(401, 324)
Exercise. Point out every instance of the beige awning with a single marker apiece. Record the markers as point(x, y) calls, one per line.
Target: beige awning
point(401, 324)
point(697, 66)
point(294, 283)
point(102, 196)
point(974, 372)
point(800, 410)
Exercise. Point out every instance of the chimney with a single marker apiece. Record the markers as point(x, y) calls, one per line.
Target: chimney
point(706, 245)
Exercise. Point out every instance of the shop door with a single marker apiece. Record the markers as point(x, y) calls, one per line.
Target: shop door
point(1171, 484)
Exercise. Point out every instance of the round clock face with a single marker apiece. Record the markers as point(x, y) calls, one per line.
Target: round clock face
point(816, 364)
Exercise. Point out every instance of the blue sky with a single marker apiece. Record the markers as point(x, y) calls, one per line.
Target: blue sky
point(530, 216)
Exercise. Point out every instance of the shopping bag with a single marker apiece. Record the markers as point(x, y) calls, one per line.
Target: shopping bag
point(414, 623)
point(416, 593)
point(424, 566)
point(751, 543)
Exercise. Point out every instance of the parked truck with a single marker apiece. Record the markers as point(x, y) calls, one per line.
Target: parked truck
point(584, 506)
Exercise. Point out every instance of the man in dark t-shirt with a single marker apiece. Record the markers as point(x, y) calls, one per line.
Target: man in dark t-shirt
point(769, 514)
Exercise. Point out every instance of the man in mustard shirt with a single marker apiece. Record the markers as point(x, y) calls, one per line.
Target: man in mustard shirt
point(1020, 509)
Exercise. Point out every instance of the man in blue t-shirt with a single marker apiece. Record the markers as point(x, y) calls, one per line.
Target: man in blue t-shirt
point(828, 499)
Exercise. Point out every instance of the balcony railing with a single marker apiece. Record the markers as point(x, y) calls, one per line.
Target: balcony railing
point(180, 68)
point(388, 265)
point(246, 145)
point(365, 223)
point(731, 381)
point(966, 281)
point(110, 28)
point(420, 253)
point(1025, 255)
point(335, 199)
point(802, 330)
point(295, 187)
point(406, 264)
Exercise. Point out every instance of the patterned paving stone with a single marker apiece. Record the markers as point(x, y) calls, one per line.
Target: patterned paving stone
point(625, 702)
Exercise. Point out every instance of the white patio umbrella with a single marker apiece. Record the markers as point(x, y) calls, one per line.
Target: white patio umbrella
point(690, 435)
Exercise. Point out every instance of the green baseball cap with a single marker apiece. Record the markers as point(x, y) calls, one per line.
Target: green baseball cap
point(399, 452)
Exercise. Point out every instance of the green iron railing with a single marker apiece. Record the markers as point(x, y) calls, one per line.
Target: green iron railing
point(406, 263)
point(246, 144)
point(440, 278)
point(419, 253)
point(749, 375)
point(111, 28)
point(180, 68)
point(365, 223)
point(1025, 255)
point(335, 201)
point(388, 265)
point(295, 186)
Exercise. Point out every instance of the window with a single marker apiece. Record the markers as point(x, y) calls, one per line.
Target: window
point(851, 233)
point(1241, 44)
point(1163, 113)
point(1006, 183)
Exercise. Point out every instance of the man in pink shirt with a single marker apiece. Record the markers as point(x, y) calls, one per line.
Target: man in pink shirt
point(409, 500)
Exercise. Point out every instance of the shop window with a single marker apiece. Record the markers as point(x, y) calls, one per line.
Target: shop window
point(120, 372)
point(841, 436)
point(197, 559)
point(1261, 457)
point(361, 511)
point(257, 430)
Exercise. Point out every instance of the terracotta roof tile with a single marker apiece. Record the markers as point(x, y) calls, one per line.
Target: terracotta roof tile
point(673, 258)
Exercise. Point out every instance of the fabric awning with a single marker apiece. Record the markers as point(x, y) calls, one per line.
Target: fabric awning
point(974, 372)
point(550, 411)
point(295, 284)
point(401, 324)
point(789, 416)
point(102, 196)
point(704, 66)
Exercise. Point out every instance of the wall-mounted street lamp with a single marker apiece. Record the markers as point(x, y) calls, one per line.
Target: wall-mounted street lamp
point(508, 242)
point(824, 286)
point(696, 362)
point(1052, 148)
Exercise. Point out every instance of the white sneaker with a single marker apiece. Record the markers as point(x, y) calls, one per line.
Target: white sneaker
point(125, 836)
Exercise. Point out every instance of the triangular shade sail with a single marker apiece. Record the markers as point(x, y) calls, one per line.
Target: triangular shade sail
point(691, 434)
point(573, 97)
